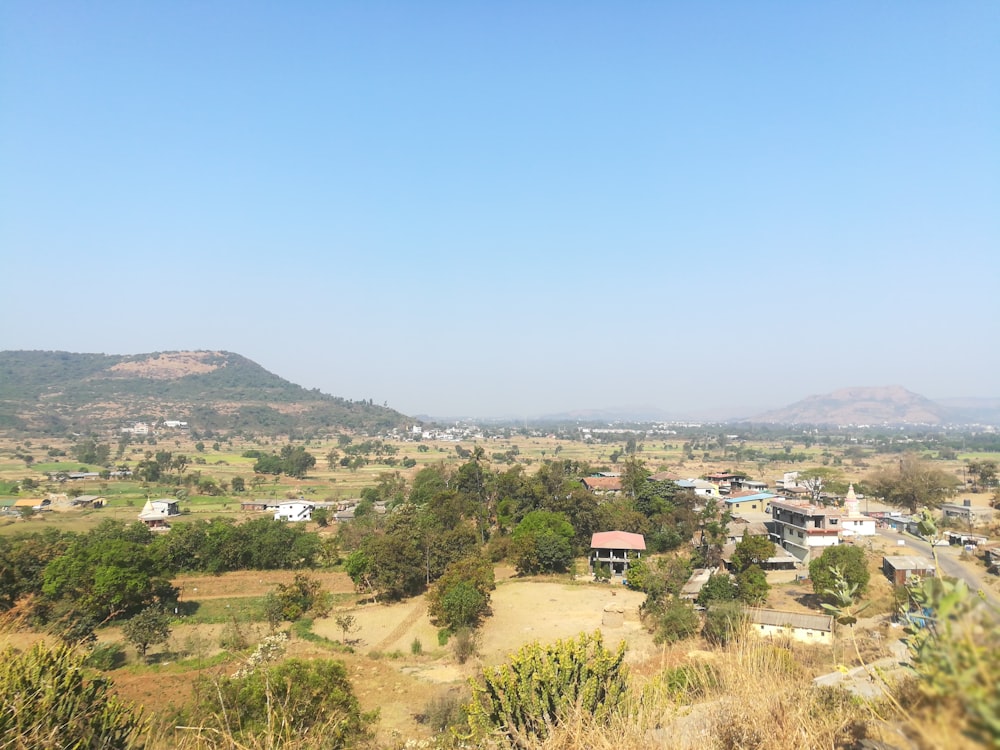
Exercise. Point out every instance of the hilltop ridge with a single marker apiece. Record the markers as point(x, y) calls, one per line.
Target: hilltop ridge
point(52, 392)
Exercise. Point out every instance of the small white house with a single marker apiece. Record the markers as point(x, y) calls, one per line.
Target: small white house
point(799, 626)
point(156, 513)
point(294, 510)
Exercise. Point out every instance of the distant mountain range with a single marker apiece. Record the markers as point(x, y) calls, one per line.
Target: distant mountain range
point(57, 392)
point(890, 405)
point(43, 392)
point(887, 405)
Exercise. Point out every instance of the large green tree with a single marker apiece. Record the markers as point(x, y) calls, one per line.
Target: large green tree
point(913, 482)
point(543, 543)
point(107, 574)
point(851, 563)
point(461, 596)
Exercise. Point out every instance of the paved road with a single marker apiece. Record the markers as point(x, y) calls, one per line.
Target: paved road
point(948, 560)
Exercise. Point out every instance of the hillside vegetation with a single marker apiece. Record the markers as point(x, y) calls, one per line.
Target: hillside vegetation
point(56, 392)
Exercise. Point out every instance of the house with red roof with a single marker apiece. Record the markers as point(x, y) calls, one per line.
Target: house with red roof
point(615, 549)
point(603, 485)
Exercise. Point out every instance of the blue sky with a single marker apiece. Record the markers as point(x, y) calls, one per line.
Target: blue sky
point(512, 209)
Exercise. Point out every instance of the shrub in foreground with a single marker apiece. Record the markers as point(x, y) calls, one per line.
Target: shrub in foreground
point(525, 698)
point(47, 701)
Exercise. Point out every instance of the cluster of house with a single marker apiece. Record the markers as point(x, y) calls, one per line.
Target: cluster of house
point(144, 428)
point(54, 501)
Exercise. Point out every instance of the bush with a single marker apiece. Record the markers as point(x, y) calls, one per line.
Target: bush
point(44, 695)
point(536, 689)
point(464, 645)
point(298, 698)
point(444, 712)
point(105, 657)
point(670, 620)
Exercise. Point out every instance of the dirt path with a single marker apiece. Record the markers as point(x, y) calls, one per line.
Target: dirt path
point(416, 612)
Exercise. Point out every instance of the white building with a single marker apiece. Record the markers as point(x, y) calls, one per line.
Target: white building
point(294, 510)
point(854, 522)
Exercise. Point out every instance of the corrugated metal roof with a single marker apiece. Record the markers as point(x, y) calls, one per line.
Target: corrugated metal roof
point(779, 619)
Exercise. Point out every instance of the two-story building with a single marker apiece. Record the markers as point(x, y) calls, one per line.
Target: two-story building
point(801, 527)
point(615, 549)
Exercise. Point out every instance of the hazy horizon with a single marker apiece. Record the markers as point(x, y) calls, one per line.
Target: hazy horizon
point(512, 210)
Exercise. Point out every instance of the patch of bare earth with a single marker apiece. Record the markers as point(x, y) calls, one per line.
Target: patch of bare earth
point(169, 365)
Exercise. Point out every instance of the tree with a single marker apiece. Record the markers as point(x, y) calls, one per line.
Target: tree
point(461, 596)
point(289, 699)
point(815, 480)
point(670, 619)
point(912, 483)
point(848, 560)
point(238, 484)
point(543, 543)
point(719, 587)
point(348, 624)
point(148, 628)
point(304, 595)
point(110, 572)
point(984, 472)
point(724, 621)
point(752, 550)
point(752, 586)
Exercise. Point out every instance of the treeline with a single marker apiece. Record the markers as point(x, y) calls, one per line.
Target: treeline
point(74, 582)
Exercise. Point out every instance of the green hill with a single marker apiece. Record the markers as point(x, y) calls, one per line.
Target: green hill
point(57, 392)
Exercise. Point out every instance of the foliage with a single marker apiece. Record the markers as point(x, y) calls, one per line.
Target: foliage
point(752, 586)
point(44, 694)
point(719, 587)
point(149, 627)
point(304, 595)
point(724, 622)
point(300, 698)
point(848, 560)
point(670, 619)
point(911, 483)
point(107, 573)
point(752, 550)
point(464, 644)
point(842, 598)
point(23, 560)
point(665, 576)
point(105, 657)
point(461, 596)
point(294, 461)
point(543, 543)
point(389, 566)
point(525, 698)
point(956, 652)
point(221, 545)
point(348, 624)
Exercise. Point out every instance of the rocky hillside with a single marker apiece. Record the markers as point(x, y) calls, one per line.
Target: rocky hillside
point(861, 406)
point(58, 392)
